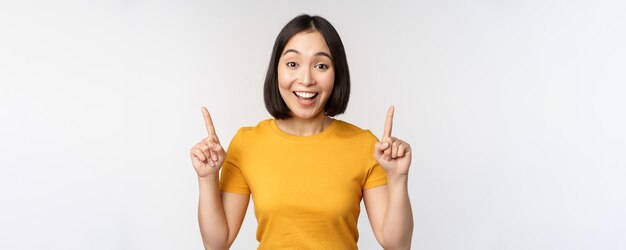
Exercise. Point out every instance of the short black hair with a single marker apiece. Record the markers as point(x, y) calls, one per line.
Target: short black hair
point(338, 100)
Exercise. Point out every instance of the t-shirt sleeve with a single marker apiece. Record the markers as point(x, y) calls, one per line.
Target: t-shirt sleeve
point(376, 175)
point(232, 179)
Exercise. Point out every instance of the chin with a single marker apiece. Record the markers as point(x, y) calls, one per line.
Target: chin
point(306, 115)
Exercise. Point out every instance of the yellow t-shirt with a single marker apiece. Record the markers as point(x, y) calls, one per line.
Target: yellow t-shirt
point(306, 189)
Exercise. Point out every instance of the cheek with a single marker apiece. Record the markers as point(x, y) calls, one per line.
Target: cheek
point(283, 78)
point(328, 81)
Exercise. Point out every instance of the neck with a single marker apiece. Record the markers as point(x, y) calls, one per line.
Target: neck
point(304, 127)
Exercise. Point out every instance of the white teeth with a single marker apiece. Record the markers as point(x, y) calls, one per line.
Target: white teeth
point(305, 94)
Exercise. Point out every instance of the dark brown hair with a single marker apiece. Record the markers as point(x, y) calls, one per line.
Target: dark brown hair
point(338, 100)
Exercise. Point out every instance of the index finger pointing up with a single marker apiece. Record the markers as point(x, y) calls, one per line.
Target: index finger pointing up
point(388, 122)
point(208, 122)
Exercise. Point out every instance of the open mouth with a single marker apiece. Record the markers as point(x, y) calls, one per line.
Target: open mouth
point(305, 95)
point(305, 98)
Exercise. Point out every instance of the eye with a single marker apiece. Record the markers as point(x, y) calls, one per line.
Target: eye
point(291, 64)
point(321, 66)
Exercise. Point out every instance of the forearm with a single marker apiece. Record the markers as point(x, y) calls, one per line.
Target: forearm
point(398, 223)
point(211, 216)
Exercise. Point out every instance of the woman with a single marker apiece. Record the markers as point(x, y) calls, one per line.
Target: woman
point(306, 172)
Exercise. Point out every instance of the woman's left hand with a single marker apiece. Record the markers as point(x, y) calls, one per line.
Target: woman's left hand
point(392, 153)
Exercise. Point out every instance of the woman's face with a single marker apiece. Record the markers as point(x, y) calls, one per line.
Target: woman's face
point(305, 74)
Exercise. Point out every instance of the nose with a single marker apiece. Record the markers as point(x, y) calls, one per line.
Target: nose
point(306, 77)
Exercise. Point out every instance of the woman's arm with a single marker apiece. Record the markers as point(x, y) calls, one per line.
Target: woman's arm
point(211, 215)
point(390, 214)
point(220, 215)
point(388, 207)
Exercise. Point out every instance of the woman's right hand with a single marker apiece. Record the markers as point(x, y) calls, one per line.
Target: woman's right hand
point(208, 155)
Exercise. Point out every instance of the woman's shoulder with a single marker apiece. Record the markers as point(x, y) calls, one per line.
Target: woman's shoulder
point(350, 130)
point(261, 127)
point(247, 135)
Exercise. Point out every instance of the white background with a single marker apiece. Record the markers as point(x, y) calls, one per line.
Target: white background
point(514, 109)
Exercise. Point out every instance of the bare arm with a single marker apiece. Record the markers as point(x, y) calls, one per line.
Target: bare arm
point(388, 206)
point(219, 214)
point(390, 214)
point(211, 216)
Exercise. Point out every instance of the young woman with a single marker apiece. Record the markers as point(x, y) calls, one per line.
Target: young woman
point(306, 171)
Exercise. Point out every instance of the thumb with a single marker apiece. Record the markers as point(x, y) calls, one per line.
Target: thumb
point(217, 148)
point(379, 149)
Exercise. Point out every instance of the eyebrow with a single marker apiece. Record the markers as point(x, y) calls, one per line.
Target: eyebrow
point(316, 54)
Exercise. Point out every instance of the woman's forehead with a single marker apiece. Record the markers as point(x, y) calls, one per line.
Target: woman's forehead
point(306, 43)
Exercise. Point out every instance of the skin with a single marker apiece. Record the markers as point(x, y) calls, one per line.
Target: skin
point(305, 65)
point(220, 214)
point(388, 206)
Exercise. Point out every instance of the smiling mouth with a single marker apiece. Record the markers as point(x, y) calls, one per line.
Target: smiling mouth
point(306, 99)
point(305, 95)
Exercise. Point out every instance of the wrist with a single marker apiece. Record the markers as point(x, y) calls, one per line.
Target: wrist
point(211, 178)
point(397, 178)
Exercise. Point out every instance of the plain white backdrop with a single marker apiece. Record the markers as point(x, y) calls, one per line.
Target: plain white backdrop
point(514, 109)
